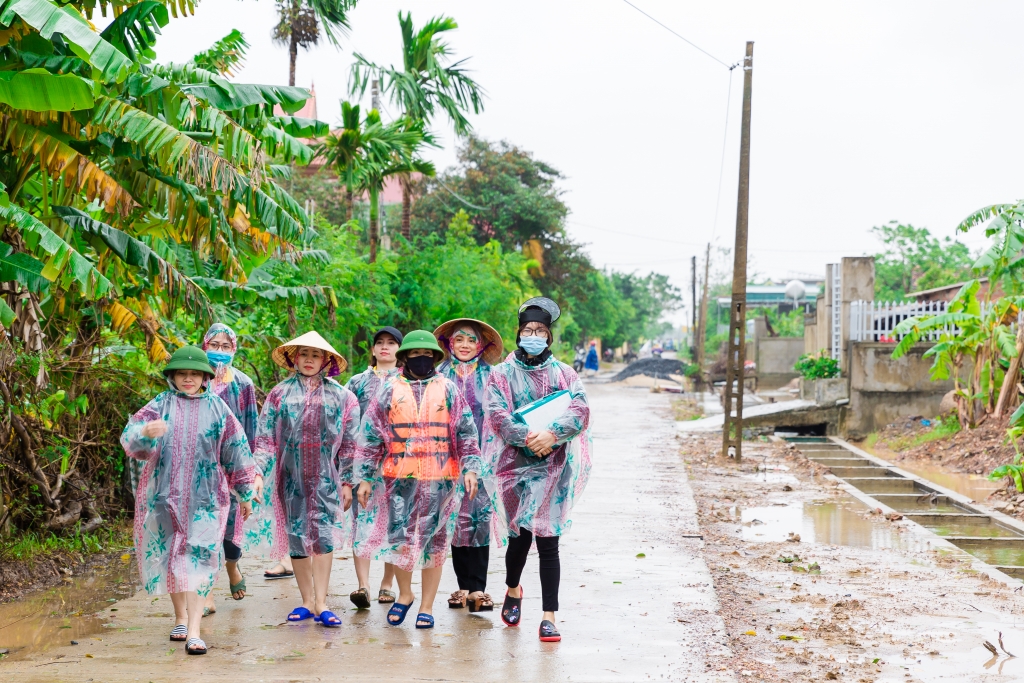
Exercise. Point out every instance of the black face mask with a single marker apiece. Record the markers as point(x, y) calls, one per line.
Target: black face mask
point(420, 365)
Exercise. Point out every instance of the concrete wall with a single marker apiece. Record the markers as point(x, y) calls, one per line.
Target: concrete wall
point(883, 390)
point(858, 283)
point(776, 357)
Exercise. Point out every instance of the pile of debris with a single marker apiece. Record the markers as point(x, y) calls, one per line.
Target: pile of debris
point(658, 368)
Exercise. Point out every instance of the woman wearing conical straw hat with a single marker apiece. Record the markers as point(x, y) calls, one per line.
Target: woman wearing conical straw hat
point(239, 393)
point(416, 442)
point(541, 469)
point(471, 347)
point(306, 435)
point(383, 364)
point(195, 454)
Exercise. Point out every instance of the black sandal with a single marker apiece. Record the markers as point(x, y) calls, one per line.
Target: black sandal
point(512, 609)
point(360, 598)
point(548, 632)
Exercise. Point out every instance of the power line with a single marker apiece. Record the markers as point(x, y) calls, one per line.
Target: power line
point(685, 40)
point(721, 165)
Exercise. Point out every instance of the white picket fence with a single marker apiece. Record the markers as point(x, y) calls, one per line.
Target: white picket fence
point(877, 320)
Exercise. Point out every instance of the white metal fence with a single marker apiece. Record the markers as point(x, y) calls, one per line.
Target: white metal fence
point(877, 320)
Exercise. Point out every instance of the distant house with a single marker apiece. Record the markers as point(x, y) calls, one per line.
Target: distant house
point(775, 296)
point(947, 292)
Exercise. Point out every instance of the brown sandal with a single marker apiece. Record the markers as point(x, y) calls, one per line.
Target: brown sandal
point(385, 597)
point(457, 600)
point(482, 604)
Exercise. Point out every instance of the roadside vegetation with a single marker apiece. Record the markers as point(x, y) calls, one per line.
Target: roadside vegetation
point(140, 201)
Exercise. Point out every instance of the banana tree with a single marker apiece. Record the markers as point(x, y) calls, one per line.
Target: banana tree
point(974, 335)
point(133, 196)
point(425, 85)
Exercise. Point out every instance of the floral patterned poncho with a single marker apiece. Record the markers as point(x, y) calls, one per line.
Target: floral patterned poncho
point(304, 442)
point(535, 493)
point(182, 499)
point(416, 440)
point(367, 383)
point(473, 527)
point(236, 389)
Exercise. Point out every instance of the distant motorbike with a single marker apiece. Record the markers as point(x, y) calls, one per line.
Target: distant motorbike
point(579, 360)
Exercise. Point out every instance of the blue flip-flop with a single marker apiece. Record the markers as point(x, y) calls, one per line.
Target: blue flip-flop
point(325, 619)
point(424, 617)
point(398, 610)
point(300, 614)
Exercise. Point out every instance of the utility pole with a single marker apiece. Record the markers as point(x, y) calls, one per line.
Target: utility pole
point(732, 429)
point(702, 322)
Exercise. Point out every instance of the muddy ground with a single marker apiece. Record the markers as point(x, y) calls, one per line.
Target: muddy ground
point(850, 595)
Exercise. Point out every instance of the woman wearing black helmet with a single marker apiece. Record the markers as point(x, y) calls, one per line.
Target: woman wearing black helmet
point(538, 442)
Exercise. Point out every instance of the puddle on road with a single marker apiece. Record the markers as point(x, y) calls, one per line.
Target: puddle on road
point(828, 523)
point(74, 611)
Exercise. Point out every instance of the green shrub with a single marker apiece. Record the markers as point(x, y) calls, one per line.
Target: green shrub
point(817, 366)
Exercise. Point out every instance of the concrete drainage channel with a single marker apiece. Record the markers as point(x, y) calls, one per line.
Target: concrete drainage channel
point(995, 539)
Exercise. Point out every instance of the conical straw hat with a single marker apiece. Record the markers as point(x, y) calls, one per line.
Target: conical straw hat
point(494, 351)
point(282, 354)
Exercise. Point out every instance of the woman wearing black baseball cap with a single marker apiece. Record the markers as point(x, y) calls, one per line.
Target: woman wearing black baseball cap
point(383, 364)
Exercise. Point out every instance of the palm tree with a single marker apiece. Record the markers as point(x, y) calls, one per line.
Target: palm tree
point(424, 84)
point(299, 25)
point(364, 153)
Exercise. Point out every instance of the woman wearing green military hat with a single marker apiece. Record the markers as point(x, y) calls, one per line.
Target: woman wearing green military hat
point(186, 432)
point(416, 441)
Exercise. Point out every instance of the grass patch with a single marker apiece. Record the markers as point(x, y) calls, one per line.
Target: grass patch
point(31, 545)
point(870, 442)
point(943, 428)
point(685, 409)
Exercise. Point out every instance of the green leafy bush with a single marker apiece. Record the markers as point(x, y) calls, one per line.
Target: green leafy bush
point(817, 366)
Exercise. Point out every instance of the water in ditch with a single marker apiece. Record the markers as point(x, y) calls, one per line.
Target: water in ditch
point(846, 523)
point(79, 610)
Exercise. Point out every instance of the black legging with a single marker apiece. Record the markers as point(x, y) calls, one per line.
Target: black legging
point(470, 565)
point(550, 569)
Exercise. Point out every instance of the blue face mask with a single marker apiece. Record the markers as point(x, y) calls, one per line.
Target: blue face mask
point(533, 345)
point(219, 358)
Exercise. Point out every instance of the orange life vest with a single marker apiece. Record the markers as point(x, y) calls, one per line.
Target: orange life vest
point(419, 433)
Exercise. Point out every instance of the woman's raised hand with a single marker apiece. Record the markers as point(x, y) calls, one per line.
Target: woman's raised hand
point(154, 429)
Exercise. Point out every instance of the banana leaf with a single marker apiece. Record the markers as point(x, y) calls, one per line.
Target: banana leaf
point(50, 19)
point(23, 269)
point(39, 90)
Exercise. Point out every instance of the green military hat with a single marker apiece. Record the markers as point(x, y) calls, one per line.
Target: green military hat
point(189, 358)
point(420, 339)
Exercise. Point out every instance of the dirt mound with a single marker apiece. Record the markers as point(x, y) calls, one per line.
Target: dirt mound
point(659, 368)
point(977, 451)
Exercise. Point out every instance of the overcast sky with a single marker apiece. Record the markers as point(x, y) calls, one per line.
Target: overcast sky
point(863, 112)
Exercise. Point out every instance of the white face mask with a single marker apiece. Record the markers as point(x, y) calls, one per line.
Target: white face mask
point(533, 345)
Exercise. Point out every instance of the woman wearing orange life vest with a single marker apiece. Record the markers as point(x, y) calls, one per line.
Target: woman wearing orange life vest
point(416, 440)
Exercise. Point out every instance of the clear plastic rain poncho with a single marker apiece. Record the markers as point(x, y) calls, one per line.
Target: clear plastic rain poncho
point(473, 527)
point(367, 383)
point(535, 493)
point(184, 491)
point(236, 389)
point(416, 441)
point(305, 438)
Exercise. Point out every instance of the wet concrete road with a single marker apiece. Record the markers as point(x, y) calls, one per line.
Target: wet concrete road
point(622, 618)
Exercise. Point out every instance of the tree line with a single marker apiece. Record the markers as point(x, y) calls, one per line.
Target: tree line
point(140, 201)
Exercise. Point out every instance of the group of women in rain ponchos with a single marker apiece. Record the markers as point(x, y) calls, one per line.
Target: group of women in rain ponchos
point(426, 452)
